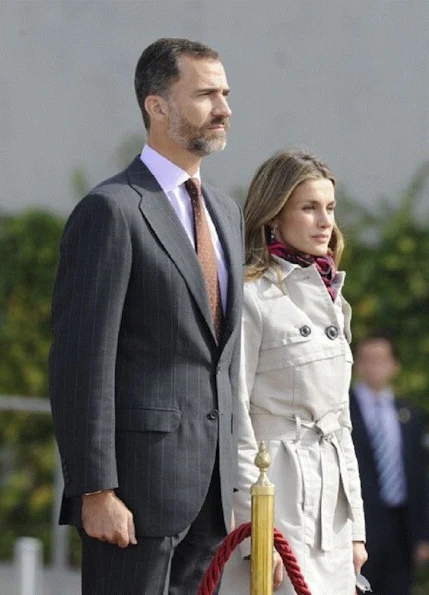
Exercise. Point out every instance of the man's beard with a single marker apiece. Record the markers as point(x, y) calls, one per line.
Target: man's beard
point(198, 140)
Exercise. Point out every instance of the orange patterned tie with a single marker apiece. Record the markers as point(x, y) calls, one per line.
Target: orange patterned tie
point(206, 253)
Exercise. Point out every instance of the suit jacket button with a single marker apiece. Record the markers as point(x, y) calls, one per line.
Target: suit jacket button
point(214, 414)
point(305, 330)
point(331, 332)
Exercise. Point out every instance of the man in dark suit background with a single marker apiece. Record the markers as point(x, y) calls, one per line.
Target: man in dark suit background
point(388, 439)
point(144, 362)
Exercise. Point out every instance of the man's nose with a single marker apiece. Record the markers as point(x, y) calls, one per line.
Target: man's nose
point(222, 108)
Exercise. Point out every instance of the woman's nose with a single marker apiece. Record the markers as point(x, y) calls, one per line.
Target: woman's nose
point(325, 219)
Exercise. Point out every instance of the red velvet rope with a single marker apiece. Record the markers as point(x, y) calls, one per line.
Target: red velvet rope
point(228, 545)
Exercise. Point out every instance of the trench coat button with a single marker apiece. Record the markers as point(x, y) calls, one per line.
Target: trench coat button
point(305, 330)
point(218, 369)
point(214, 414)
point(331, 332)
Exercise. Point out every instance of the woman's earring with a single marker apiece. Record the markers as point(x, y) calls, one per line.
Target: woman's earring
point(272, 234)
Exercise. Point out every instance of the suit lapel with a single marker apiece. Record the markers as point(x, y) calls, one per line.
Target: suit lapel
point(161, 217)
point(361, 433)
point(357, 417)
point(405, 426)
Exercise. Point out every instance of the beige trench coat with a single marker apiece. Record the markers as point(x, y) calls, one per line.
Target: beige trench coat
point(294, 393)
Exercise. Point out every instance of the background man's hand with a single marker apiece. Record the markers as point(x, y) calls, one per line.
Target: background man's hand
point(106, 518)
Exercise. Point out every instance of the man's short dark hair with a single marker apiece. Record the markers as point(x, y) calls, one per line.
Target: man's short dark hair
point(158, 68)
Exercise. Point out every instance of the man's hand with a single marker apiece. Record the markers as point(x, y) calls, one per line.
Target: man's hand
point(360, 555)
point(278, 573)
point(106, 518)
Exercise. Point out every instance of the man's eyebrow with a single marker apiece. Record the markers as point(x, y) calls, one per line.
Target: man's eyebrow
point(225, 90)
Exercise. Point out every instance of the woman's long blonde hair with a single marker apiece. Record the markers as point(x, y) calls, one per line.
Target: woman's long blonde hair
point(269, 190)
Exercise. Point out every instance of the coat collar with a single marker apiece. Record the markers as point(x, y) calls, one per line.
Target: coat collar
point(288, 271)
point(285, 268)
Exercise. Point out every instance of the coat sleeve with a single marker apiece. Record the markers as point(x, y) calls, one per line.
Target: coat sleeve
point(247, 446)
point(88, 299)
point(355, 492)
point(356, 502)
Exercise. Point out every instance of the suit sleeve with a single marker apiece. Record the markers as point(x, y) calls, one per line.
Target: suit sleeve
point(88, 299)
point(417, 477)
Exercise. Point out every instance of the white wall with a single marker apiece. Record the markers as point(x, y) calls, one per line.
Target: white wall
point(348, 79)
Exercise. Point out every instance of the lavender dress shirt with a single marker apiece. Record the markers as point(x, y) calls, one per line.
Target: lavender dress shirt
point(171, 178)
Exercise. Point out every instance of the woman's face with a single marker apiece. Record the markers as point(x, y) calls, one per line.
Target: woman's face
point(307, 219)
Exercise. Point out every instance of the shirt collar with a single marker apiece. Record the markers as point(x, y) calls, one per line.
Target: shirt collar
point(168, 175)
point(367, 394)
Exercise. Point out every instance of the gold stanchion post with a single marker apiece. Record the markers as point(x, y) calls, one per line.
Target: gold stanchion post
point(262, 493)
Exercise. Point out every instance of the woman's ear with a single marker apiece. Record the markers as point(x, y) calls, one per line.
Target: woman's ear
point(272, 227)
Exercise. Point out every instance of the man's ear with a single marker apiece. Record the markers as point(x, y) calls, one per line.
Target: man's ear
point(156, 107)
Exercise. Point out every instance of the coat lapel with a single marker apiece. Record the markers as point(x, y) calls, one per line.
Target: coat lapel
point(161, 217)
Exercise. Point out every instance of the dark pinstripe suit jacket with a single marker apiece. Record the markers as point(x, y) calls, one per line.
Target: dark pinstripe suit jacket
point(141, 394)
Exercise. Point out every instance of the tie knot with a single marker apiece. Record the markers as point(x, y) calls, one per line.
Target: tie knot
point(193, 187)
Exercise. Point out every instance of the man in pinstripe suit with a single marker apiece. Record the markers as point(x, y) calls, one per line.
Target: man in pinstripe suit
point(142, 389)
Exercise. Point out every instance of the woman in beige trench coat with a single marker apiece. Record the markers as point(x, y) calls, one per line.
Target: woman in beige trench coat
point(295, 375)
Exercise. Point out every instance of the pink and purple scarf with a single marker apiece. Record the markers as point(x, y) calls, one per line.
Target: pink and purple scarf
point(324, 264)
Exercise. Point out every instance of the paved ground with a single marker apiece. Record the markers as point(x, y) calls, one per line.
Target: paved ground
point(67, 584)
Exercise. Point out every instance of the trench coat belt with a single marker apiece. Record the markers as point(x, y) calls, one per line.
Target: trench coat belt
point(327, 431)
